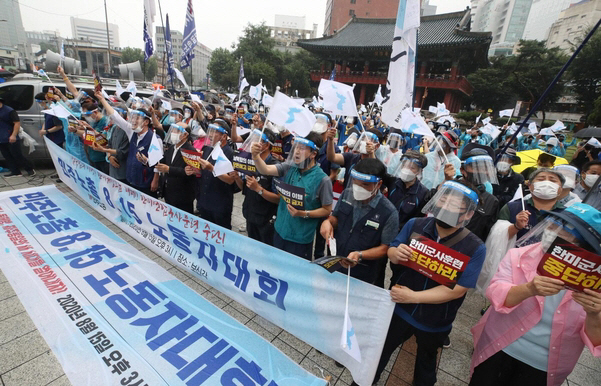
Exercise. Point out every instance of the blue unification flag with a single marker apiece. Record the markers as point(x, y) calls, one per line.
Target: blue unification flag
point(169, 46)
point(333, 74)
point(149, 12)
point(148, 46)
point(189, 41)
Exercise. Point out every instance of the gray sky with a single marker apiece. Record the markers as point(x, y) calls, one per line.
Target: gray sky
point(218, 22)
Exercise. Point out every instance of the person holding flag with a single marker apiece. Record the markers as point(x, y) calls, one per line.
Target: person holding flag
point(363, 223)
point(142, 141)
point(215, 192)
point(424, 307)
point(295, 228)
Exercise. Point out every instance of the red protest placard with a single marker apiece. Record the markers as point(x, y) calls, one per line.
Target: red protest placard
point(575, 266)
point(101, 140)
point(435, 261)
point(89, 137)
point(192, 158)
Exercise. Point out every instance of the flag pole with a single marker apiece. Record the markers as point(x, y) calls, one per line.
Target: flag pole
point(440, 146)
point(522, 194)
point(550, 87)
point(348, 287)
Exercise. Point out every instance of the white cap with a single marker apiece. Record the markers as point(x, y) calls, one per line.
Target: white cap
point(552, 141)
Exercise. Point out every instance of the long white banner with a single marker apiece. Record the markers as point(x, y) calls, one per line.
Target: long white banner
point(114, 317)
point(300, 297)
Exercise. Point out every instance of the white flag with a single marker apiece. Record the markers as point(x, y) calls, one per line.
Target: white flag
point(300, 101)
point(244, 84)
point(491, 130)
point(222, 164)
point(532, 128)
point(379, 98)
point(149, 14)
point(441, 109)
point(594, 142)
point(131, 88)
point(414, 124)
point(434, 110)
point(478, 118)
point(166, 104)
point(558, 125)
point(267, 100)
point(348, 339)
point(155, 151)
point(512, 129)
point(486, 121)
point(231, 96)
point(181, 78)
point(119, 89)
point(401, 72)
point(519, 195)
point(547, 131)
point(256, 91)
point(338, 98)
point(286, 112)
point(58, 111)
point(506, 113)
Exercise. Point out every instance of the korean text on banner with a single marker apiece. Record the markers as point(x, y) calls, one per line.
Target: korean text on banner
point(441, 264)
point(113, 316)
point(282, 288)
point(575, 266)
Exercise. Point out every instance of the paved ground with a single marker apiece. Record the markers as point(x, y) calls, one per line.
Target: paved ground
point(26, 359)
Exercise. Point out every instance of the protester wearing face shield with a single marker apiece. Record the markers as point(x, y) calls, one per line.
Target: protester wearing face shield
point(434, 172)
point(553, 146)
point(477, 167)
point(365, 147)
point(363, 223)
point(177, 187)
point(215, 194)
point(97, 121)
point(424, 308)
point(509, 181)
point(295, 228)
point(590, 172)
point(535, 330)
point(137, 127)
point(260, 199)
point(117, 149)
point(390, 154)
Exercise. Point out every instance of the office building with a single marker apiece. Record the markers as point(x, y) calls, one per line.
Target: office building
point(95, 31)
point(288, 29)
point(543, 14)
point(572, 24)
point(12, 32)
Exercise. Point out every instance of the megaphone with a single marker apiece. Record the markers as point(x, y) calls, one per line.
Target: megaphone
point(70, 65)
point(131, 71)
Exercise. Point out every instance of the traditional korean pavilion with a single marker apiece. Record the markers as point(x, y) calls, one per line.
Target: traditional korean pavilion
point(447, 52)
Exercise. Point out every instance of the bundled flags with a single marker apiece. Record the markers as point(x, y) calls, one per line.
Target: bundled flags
point(401, 72)
point(338, 98)
point(286, 112)
point(189, 41)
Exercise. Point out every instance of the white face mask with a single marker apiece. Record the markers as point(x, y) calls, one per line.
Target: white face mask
point(570, 183)
point(545, 190)
point(503, 167)
point(187, 115)
point(590, 180)
point(175, 138)
point(137, 129)
point(360, 193)
point(406, 175)
point(363, 147)
point(90, 120)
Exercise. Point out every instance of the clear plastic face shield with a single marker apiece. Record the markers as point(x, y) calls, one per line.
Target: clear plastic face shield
point(321, 124)
point(216, 134)
point(81, 95)
point(175, 134)
point(480, 169)
point(89, 116)
point(364, 186)
point(453, 204)
point(136, 119)
point(255, 136)
point(547, 230)
point(351, 140)
point(366, 143)
point(571, 174)
point(175, 116)
point(300, 154)
point(504, 164)
point(409, 169)
point(228, 114)
point(395, 140)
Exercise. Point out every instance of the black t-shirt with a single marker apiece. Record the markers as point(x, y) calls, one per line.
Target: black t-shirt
point(255, 208)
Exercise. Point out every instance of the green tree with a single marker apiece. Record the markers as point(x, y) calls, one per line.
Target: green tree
point(594, 118)
point(492, 86)
point(224, 68)
point(150, 68)
point(585, 72)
